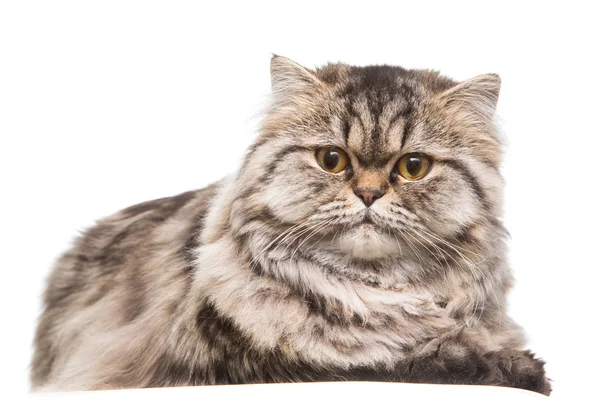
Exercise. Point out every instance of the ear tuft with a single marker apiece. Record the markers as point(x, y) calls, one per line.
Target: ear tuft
point(290, 80)
point(478, 95)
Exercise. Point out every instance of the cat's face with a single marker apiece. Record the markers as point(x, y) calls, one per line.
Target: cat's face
point(371, 161)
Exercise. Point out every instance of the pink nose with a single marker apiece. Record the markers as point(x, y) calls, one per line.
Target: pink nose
point(368, 196)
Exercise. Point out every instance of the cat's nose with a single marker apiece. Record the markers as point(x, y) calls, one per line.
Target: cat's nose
point(368, 196)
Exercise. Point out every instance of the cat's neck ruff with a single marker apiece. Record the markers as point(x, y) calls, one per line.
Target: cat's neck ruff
point(366, 324)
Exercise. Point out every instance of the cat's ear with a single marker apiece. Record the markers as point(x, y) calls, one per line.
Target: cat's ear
point(477, 96)
point(291, 82)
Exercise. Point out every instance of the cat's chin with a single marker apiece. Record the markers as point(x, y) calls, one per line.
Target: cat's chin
point(367, 242)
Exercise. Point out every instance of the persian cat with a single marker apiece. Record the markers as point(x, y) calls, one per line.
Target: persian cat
point(360, 239)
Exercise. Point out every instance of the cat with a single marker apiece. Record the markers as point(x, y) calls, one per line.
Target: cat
point(360, 239)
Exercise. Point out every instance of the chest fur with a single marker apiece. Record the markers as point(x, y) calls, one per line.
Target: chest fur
point(326, 322)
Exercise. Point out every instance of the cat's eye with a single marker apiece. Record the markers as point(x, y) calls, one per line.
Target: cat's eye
point(413, 166)
point(332, 159)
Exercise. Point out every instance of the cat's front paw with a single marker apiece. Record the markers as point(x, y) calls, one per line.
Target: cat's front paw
point(448, 361)
point(520, 369)
point(456, 361)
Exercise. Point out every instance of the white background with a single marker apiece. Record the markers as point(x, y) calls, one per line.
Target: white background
point(104, 104)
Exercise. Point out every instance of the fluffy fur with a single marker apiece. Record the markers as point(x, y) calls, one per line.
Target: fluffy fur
point(274, 275)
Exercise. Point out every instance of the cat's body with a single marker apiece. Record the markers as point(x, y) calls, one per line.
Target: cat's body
point(286, 272)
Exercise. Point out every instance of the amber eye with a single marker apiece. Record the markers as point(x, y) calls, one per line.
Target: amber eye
point(332, 159)
point(413, 166)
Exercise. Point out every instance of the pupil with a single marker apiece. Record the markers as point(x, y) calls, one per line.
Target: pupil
point(414, 165)
point(331, 159)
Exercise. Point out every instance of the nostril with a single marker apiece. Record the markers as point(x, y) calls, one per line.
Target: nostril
point(368, 196)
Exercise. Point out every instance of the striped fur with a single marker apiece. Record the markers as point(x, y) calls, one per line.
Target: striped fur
point(272, 276)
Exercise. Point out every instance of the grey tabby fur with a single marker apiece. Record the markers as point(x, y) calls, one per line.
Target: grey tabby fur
point(277, 274)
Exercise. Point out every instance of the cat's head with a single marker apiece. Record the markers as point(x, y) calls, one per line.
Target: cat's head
point(371, 160)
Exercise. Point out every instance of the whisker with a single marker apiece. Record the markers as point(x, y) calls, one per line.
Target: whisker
point(297, 235)
point(437, 237)
point(426, 248)
point(286, 233)
point(322, 236)
point(416, 253)
point(436, 247)
point(256, 258)
point(465, 258)
point(396, 239)
point(316, 230)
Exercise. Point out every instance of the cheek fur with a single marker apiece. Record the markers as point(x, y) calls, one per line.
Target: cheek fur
point(445, 204)
point(298, 189)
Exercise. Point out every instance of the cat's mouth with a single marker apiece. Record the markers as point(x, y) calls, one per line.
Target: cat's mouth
point(366, 222)
point(367, 219)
